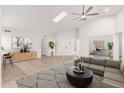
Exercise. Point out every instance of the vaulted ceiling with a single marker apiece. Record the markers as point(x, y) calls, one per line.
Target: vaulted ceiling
point(39, 18)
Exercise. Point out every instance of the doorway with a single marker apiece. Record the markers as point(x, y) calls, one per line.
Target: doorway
point(120, 45)
point(44, 46)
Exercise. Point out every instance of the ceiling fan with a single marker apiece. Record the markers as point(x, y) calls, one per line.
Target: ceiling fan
point(82, 16)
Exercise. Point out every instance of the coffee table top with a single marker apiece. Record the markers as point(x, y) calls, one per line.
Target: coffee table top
point(87, 73)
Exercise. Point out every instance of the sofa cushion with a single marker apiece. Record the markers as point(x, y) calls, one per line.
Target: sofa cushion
point(113, 76)
point(97, 69)
point(122, 70)
point(112, 70)
point(98, 61)
point(86, 65)
point(113, 83)
point(85, 59)
point(121, 67)
point(113, 63)
point(123, 74)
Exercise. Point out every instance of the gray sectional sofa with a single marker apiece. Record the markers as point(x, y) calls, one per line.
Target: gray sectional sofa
point(111, 70)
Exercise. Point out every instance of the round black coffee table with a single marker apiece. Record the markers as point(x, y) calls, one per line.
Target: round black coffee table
point(79, 80)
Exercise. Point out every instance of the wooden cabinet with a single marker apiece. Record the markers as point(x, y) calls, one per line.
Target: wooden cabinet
point(23, 56)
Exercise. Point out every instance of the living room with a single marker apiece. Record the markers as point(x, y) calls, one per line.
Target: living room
point(40, 43)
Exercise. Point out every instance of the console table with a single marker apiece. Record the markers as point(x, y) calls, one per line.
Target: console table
point(23, 56)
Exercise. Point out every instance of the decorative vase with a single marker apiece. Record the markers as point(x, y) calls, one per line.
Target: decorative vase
point(110, 54)
point(21, 50)
point(25, 49)
point(52, 53)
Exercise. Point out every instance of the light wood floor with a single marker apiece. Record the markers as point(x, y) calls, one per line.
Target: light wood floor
point(11, 74)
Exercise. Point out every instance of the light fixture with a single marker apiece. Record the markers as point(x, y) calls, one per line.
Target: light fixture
point(83, 16)
point(9, 31)
point(59, 17)
point(106, 10)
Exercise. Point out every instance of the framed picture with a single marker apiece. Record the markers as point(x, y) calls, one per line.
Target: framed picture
point(17, 42)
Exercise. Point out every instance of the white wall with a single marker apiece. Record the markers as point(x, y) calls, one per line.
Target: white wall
point(106, 25)
point(115, 47)
point(45, 49)
point(123, 48)
point(105, 38)
point(65, 43)
point(98, 27)
point(7, 39)
point(35, 38)
point(120, 28)
point(0, 49)
point(120, 21)
point(25, 21)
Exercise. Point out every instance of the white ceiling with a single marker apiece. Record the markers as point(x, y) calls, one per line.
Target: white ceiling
point(39, 18)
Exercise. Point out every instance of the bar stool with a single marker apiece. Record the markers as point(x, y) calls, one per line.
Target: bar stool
point(7, 57)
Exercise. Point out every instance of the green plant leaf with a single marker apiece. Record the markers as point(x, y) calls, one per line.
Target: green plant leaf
point(110, 46)
point(51, 44)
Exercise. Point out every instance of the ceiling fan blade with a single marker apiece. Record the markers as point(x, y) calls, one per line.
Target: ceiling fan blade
point(75, 18)
point(80, 20)
point(92, 14)
point(89, 9)
point(83, 10)
point(76, 14)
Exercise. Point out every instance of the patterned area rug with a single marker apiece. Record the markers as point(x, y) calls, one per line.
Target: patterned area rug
point(55, 78)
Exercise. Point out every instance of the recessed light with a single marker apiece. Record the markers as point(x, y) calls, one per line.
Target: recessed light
point(59, 17)
point(106, 10)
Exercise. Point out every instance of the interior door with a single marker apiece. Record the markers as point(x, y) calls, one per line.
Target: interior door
point(44, 46)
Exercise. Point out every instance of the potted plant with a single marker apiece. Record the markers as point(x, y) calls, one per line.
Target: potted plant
point(110, 47)
point(51, 46)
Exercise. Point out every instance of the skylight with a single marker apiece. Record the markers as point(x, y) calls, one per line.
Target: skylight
point(59, 17)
